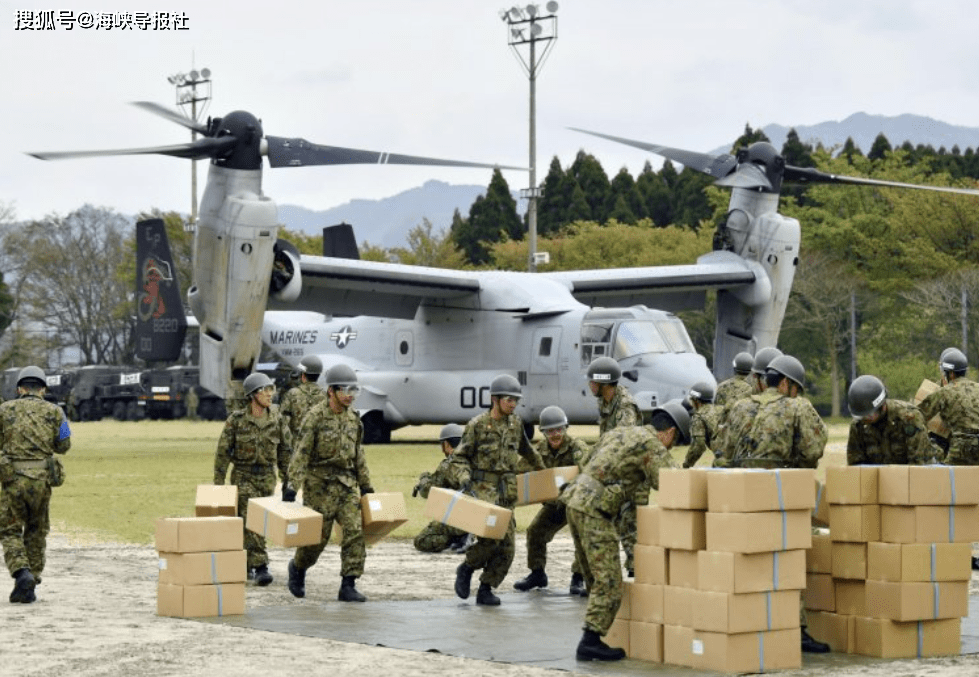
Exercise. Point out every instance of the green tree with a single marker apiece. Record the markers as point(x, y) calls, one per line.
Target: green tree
point(588, 173)
point(627, 203)
point(748, 137)
point(552, 207)
point(656, 191)
point(795, 152)
point(426, 248)
point(492, 218)
point(880, 147)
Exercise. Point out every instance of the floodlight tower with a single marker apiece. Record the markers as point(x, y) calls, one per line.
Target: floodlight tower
point(528, 26)
point(192, 88)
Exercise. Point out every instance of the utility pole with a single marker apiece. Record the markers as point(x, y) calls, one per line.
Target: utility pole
point(193, 87)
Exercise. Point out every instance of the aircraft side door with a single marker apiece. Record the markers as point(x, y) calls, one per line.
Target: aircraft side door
point(542, 379)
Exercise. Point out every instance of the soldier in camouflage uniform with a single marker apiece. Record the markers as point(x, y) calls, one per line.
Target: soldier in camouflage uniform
point(957, 402)
point(32, 430)
point(704, 422)
point(738, 386)
point(295, 404)
point(436, 537)
point(886, 431)
point(623, 460)
point(254, 442)
point(558, 449)
point(330, 467)
point(484, 464)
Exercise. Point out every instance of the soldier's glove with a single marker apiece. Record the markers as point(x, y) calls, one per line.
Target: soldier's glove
point(366, 490)
point(414, 492)
point(288, 493)
point(467, 488)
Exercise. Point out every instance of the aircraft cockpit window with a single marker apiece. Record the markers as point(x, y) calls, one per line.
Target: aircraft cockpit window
point(594, 340)
point(676, 335)
point(637, 338)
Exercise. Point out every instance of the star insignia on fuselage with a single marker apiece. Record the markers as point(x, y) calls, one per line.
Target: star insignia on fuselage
point(343, 337)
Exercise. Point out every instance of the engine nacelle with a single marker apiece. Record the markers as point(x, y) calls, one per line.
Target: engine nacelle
point(286, 281)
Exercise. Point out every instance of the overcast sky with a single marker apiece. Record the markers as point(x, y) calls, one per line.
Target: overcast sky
point(437, 78)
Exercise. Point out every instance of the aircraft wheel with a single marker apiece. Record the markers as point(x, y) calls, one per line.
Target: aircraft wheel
point(376, 431)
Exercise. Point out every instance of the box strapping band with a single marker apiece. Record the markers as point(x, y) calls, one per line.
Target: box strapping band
point(452, 503)
point(781, 507)
point(775, 575)
point(761, 652)
point(951, 481)
point(937, 598)
point(220, 599)
point(214, 568)
point(921, 638)
point(951, 524)
point(819, 493)
point(265, 524)
point(768, 608)
point(526, 487)
point(934, 558)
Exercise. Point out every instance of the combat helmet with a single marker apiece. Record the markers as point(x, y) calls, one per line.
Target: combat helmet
point(676, 411)
point(703, 391)
point(312, 366)
point(255, 381)
point(954, 360)
point(553, 417)
point(31, 376)
point(789, 367)
point(866, 396)
point(506, 385)
point(743, 362)
point(451, 431)
point(763, 358)
point(341, 375)
point(604, 370)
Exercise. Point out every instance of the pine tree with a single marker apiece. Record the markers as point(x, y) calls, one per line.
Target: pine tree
point(492, 218)
point(880, 147)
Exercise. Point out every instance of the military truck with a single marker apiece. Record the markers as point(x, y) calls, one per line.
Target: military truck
point(101, 391)
point(165, 394)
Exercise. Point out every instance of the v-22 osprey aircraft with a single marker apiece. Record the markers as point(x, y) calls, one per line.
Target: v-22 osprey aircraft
point(427, 342)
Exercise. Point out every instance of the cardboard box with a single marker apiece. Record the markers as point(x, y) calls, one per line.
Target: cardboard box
point(683, 489)
point(834, 629)
point(852, 485)
point(467, 513)
point(284, 524)
point(199, 534)
point(683, 568)
point(203, 568)
point(755, 572)
point(759, 531)
point(929, 524)
point(761, 490)
point(646, 641)
point(647, 524)
point(854, 523)
point(543, 485)
point(678, 605)
point(382, 514)
point(647, 603)
point(197, 601)
point(911, 601)
point(820, 514)
point(819, 558)
point(851, 597)
point(652, 564)
point(625, 606)
point(929, 485)
point(745, 612)
point(850, 560)
point(214, 500)
point(891, 639)
point(820, 592)
point(919, 561)
point(618, 635)
point(936, 424)
point(677, 641)
point(682, 529)
point(747, 652)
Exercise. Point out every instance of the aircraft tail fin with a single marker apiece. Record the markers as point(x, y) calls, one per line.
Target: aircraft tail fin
point(339, 242)
point(160, 319)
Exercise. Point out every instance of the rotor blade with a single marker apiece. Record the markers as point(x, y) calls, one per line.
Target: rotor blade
point(808, 175)
point(283, 152)
point(746, 176)
point(712, 165)
point(171, 115)
point(202, 148)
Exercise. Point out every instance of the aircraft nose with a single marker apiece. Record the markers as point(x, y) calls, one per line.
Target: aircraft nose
point(668, 377)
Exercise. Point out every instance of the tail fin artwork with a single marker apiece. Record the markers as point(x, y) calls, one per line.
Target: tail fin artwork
point(160, 320)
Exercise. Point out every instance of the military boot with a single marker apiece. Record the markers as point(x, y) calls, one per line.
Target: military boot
point(975, 563)
point(578, 585)
point(592, 648)
point(262, 575)
point(485, 596)
point(812, 645)
point(348, 593)
point(23, 592)
point(297, 580)
point(464, 575)
point(535, 579)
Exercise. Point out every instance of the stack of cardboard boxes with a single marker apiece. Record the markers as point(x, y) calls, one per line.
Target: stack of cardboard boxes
point(890, 579)
point(718, 579)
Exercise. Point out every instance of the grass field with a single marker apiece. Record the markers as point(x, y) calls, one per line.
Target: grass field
point(122, 476)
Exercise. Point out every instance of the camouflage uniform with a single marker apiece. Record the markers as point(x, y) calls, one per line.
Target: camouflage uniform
point(253, 446)
point(772, 430)
point(704, 423)
point(733, 389)
point(293, 406)
point(624, 460)
point(436, 537)
point(330, 467)
point(31, 432)
point(958, 405)
point(488, 456)
point(899, 436)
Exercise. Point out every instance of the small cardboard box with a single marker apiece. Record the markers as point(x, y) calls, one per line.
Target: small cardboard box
point(646, 641)
point(761, 490)
point(854, 523)
point(756, 572)
point(467, 513)
point(820, 592)
point(852, 485)
point(682, 529)
point(820, 514)
point(834, 629)
point(214, 500)
point(284, 524)
point(745, 612)
point(759, 531)
point(683, 489)
point(683, 568)
point(936, 424)
point(747, 652)
point(929, 485)
point(919, 561)
point(197, 601)
point(678, 605)
point(652, 564)
point(647, 603)
point(543, 485)
point(890, 639)
point(819, 558)
point(203, 568)
point(618, 635)
point(929, 524)
point(677, 641)
point(917, 601)
point(851, 597)
point(850, 560)
point(382, 514)
point(199, 534)
point(647, 524)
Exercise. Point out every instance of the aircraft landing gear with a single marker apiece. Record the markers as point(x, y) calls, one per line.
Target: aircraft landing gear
point(376, 430)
